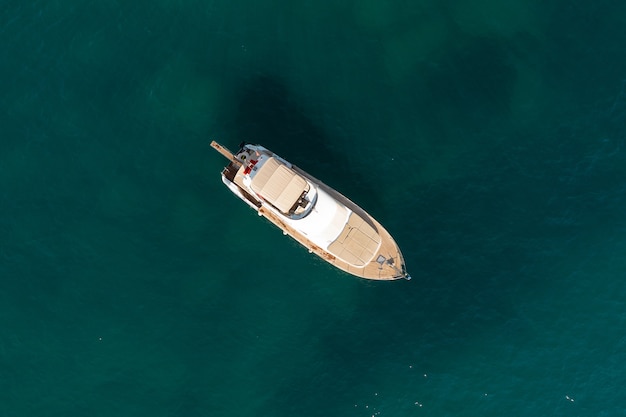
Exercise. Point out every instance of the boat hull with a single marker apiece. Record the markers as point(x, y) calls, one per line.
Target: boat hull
point(382, 259)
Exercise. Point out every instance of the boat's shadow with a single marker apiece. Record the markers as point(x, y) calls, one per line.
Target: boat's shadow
point(270, 114)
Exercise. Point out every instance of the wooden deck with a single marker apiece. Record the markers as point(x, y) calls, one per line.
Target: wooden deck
point(394, 263)
point(371, 270)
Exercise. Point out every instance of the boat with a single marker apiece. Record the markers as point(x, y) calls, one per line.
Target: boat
point(317, 216)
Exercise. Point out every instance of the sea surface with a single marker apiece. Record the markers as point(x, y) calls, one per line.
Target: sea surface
point(488, 137)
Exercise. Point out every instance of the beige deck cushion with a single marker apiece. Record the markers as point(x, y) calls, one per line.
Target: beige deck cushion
point(357, 243)
point(279, 185)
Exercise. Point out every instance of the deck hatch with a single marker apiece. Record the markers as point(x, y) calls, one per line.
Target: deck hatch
point(357, 243)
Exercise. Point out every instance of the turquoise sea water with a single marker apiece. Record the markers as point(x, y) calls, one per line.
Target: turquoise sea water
point(488, 137)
